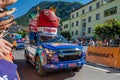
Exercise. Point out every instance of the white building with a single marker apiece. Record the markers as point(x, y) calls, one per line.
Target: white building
point(83, 20)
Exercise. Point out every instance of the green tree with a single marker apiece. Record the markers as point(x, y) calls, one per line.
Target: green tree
point(23, 32)
point(107, 30)
point(66, 34)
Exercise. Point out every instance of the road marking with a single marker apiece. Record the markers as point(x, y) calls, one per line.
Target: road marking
point(97, 68)
point(104, 70)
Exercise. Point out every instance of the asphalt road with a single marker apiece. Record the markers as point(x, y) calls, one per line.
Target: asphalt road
point(89, 71)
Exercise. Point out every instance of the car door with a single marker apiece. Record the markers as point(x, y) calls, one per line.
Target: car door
point(32, 51)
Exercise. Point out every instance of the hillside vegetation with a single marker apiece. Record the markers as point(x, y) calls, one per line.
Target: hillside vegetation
point(63, 10)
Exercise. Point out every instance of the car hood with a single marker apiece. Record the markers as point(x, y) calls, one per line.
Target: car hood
point(56, 46)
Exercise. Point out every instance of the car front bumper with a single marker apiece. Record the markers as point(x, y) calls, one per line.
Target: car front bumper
point(65, 65)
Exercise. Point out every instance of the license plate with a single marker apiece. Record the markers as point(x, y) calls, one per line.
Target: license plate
point(72, 65)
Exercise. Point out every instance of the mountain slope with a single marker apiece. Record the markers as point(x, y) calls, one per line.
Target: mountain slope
point(63, 10)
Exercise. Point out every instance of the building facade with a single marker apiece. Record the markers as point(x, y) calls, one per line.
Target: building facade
point(83, 20)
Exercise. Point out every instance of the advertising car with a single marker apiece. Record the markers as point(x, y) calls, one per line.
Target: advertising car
point(47, 50)
point(20, 44)
point(52, 52)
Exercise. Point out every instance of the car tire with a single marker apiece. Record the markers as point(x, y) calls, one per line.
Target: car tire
point(40, 70)
point(26, 57)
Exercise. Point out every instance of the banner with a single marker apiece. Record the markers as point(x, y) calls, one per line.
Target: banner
point(108, 56)
point(47, 30)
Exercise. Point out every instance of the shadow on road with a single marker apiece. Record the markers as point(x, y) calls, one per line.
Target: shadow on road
point(27, 72)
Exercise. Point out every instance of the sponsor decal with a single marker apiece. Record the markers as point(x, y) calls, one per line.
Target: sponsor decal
point(72, 65)
point(48, 30)
point(56, 44)
point(106, 55)
point(59, 44)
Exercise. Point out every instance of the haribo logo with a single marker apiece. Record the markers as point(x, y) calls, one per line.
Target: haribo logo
point(48, 30)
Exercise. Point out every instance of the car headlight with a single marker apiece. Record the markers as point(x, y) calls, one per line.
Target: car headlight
point(80, 52)
point(50, 52)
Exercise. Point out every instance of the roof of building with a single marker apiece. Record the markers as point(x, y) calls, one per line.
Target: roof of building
point(83, 6)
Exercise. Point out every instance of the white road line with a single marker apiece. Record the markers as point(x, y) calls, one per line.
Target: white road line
point(97, 68)
point(101, 69)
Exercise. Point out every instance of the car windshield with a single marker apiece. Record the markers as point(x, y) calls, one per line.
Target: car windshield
point(53, 39)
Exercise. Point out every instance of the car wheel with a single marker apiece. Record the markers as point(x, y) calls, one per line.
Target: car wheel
point(40, 70)
point(26, 57)
point(76, 69)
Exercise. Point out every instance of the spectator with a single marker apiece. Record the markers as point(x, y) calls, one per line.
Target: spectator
point(111, 42)
point(14, 44)
point(116, 42)
point(91, 42)
point(83, 42)
point(8, 70)
point(98, 42)
point(76, 41)
point(105, 43)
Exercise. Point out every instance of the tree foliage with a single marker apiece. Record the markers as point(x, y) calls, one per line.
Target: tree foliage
point(66, 34)
point(107, 30)
point(23, 32)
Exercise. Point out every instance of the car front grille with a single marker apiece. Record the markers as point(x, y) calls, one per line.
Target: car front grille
point(69, 57)
point(69, 54)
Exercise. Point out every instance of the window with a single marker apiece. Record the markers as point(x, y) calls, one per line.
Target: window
point(90, 8)
point(65, 26)
point(77, 23)
point(72, 24)
point(110, 11)
point(84, 23)
point(72, 16)
point(89, 19)
point(76, 32)
point(77, 14)
point(72, 33)
point(83, 11)
point(98, 16)
point(98, 5)
point(84, 20)
point(89, 30)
